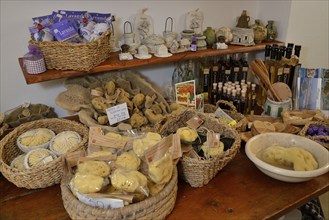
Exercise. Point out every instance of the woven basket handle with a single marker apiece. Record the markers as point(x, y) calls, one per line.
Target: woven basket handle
point(124, 27)
point(171, 22)
point(229, 104)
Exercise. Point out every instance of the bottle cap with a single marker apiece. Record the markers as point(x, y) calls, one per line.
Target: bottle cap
point(243, 81)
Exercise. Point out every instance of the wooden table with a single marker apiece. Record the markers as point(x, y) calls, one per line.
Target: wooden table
point(239, 191)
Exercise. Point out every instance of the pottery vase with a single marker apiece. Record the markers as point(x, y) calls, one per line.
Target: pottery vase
point(271, 31)
point(260, 31)
point(243, 20)
point(210, 36)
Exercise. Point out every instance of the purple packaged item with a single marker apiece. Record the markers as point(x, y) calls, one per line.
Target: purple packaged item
point(102, 18)
point(64, 31)
point(40, 19)
point(77, 15)
point(41, 31)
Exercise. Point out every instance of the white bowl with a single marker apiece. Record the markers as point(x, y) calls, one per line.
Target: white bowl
point(262, 141)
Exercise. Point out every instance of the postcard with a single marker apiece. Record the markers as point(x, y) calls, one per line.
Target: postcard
point(185, 93)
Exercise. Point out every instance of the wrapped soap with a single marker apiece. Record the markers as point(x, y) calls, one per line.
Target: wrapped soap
point(65, 31)
point(41, 30)
point(34, 62)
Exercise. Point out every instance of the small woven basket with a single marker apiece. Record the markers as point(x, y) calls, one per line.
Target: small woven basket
point(45, 175)
point(303, 132)
point(194, 171)
point(75, 56)
point(155, 207)
point(242, 122)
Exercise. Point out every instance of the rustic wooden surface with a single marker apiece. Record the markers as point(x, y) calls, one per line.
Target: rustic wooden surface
point(239, 191)
point(113, 63)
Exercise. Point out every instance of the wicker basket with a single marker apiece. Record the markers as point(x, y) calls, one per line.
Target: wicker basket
point(199, 172)
point(45, 175)
point(75, 56)
point(156, 207)
point(316, 138)
point(242, 122)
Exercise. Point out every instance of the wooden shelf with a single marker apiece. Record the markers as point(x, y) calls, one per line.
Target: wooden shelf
point(113, 63)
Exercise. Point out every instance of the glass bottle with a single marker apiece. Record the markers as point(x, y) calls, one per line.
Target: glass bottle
point(233, 97)
point(193, 44)
point(213, 94)
point(242, 102)
point(248, 98)
point(244, 67)
point(221, 68)
point(206, 81)
point(287, 67)
point(237, 101)
point(215, 73)
point(219, 92)
point(235, 68)
point(227, 69)
point(279, 67)
point(292, 75)
point(273, 59)
point(253, 99)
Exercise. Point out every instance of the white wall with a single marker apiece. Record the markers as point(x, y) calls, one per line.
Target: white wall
point(16, 18)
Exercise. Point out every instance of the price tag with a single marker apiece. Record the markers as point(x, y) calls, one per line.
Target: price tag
point(117, 113)
point(194, 122)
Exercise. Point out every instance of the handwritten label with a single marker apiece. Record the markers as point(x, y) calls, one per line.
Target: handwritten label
point(104, 203)
point(194, 122)
point(159, 150)
point(117, 113)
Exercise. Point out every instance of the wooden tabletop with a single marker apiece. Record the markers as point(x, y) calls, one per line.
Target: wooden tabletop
point(239, 191)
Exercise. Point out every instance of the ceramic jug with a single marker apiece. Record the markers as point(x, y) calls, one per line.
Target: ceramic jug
point(243, 21)
point(260, 31)
point(210, 36)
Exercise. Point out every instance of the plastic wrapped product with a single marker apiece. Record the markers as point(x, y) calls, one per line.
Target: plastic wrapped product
point(97, 168)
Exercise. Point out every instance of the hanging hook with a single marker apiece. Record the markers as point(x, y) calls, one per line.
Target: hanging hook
point(124, 27)
point(172, 21)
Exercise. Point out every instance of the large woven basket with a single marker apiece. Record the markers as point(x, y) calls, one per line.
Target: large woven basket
point(75, 56)
point(156, 207)
point(242, 122)
point(199, 172)
point(303, 132)
point(45, 175)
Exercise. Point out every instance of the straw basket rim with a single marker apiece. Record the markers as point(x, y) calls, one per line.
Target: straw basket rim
point(315, 138)
point(75, 208)
point(38, 177)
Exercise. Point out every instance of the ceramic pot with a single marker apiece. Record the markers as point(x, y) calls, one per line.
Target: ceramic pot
point(271, 31)
point(260, 31)
point(210, 36)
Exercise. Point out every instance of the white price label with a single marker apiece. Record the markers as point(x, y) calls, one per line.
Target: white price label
point(117, 113)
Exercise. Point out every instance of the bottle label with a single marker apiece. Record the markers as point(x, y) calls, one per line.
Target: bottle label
point(245, 69)
point(205, 71)
point(236, 69)
point(215, 68)
point(228, 72)
point(286, 70)
point(280, 71)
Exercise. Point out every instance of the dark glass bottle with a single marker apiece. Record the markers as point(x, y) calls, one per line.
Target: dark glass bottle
point(219, 92)
point(227, 70)
point(215, 73)
point(242, 102)
point(221, 68)
point(292, 70)
point(235, 68)
point(253, 99)
point(206, 79)
point(287, 67)
point(237, 101)
point(279, 65)
point(244, 65)
point(272, 68)
point(213, 94)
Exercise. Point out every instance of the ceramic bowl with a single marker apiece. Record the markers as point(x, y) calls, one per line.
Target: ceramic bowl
point(263, 141)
